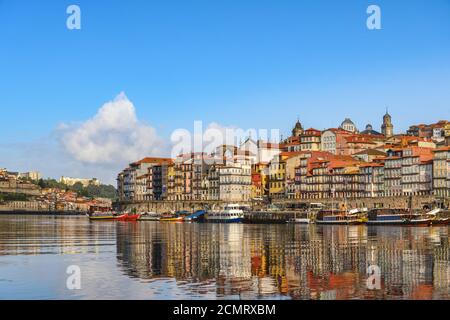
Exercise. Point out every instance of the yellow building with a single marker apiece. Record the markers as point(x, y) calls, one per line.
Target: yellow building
point(171, 182)
point(277, 177)
point(282, 174)
point(179, 181)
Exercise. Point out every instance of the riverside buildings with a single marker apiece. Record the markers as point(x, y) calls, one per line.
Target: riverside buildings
point(340, 162)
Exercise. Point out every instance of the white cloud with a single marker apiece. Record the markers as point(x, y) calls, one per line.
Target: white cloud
point(113, 136)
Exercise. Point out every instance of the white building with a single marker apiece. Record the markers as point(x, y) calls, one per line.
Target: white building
point(261, 151)
point(328, 141)
point(32, 175)
point(229, 177)
point(85, 182)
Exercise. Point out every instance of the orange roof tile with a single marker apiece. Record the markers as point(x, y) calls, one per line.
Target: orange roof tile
point(152, 160)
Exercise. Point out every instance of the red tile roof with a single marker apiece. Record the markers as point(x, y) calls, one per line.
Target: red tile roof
point(152, 160)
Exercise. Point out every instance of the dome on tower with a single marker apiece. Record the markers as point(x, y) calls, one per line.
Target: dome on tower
point(348, 125)
point(369, 130)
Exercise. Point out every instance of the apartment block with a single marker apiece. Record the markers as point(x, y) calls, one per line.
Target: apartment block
point(441, 172)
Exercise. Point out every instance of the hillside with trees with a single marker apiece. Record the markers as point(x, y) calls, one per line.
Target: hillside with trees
point(91, 191)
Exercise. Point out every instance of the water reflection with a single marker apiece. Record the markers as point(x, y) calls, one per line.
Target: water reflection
point(163, 260)
point(300, 262)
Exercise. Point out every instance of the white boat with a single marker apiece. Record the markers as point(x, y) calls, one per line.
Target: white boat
point(306, 218)
point(232, 213)
point(301, 220)
point(150, 216)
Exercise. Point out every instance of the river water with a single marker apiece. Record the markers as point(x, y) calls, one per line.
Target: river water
point(158, 260)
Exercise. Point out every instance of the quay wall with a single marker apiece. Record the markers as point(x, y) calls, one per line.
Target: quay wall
point(400, 202)
point(41, 213)
point(165, 206)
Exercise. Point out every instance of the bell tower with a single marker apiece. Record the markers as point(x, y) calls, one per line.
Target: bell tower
point(387, 128)
point(298, 129)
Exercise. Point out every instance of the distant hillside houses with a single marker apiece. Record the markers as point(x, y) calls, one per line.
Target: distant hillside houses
point(22, 192)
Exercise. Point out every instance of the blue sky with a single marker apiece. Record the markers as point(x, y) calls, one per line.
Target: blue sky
point(246, 63)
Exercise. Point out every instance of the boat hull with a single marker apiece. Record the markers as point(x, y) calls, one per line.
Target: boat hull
point(301, 221)
point(406, 223)
point(100, 218)
point(219, 220)
point(126, 217)
point(179, 219)
point(440, 222)
point(385, 223)
point(340, 223)
point(149, 219)
point(198, 216)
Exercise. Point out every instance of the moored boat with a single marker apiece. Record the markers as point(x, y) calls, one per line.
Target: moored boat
point(440, 221)
point(128, 217)
point(306, 217)
point(150, 216)
point(342, 217)
point(437, 219)
point(197, 216)
point(102, 216)
point(171, 218)
point(301, 221)
point(397, 217)
point(232, 213)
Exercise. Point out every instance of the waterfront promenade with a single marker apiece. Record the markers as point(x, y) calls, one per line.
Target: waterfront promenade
point(400, 202)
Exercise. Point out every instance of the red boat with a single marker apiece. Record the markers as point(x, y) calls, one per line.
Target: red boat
point(127, 217)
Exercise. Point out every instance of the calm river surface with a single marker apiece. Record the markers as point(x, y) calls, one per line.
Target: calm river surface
point(157, 260)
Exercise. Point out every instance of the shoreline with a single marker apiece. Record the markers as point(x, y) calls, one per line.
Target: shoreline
point(42, 213)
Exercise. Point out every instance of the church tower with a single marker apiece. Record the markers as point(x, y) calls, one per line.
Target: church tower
point(387, 128)
point(298, 129)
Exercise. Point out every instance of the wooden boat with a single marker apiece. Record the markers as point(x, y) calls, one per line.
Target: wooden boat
point(101, 216)
point(341, 217)
point(171, 218)
point(104, 217)
point(436, 219)
point(397, 217)
point(418, 222)
point(388, 216)
point(128, 217)
point(440, 221)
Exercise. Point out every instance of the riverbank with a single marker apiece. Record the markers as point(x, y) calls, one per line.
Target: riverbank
point(43, 213)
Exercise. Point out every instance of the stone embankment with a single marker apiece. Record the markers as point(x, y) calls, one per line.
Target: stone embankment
point(401, 202)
